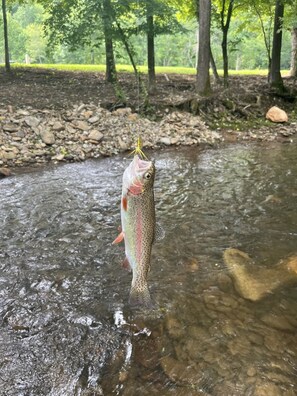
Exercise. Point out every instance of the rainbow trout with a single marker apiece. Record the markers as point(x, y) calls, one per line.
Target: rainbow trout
point(138, 225)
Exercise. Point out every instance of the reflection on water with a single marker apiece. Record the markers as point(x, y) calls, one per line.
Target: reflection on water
point(66, 328)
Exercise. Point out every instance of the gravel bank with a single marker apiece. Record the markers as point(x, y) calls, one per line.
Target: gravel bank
point(34, 136)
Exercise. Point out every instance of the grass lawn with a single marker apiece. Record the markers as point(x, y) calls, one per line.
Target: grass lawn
point(142, 69)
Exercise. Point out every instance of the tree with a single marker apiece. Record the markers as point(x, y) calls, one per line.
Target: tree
point(263, 11)
point(5, 31)
point(293, 66)
point(150, 48)
point(225, 18)
point(111, 74)
point(275, 77)
point(291, 25)
point(74, 22)
point(203, 79)
point(156, 17)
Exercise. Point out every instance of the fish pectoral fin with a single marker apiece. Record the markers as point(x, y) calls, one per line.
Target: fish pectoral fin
point(126, 264)
point(119, 238)
point(159, 233)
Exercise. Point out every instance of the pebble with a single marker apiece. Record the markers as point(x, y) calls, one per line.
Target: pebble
point(9, 127)
point(174, 327)
point(47, 137)
point(239, 346)
point(94, 119)
point(166, 141)
point(251, 372)
point(58, 126)
point(83, 125)
point(255, 338)
point(32, 121)
point(95, 135)
point(8, 155)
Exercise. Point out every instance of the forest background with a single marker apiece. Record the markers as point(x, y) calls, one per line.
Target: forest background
point(82, 41)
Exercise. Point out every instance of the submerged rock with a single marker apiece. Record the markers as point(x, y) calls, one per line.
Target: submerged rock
point(4, 172)
point(174, 327)
point(267, 388)
point(277, 322)
point(253, 283)
point(180, 372)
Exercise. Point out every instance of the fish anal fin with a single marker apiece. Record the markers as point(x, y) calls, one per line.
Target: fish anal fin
point(126, 264)
point(119, 238)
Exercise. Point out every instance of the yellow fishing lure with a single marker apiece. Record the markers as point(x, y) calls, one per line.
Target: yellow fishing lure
point(138, 149)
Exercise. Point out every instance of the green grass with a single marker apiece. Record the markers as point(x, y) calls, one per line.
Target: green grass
point(142, 69)
point(101, 68)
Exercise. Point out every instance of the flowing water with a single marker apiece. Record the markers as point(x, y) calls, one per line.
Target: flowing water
point(66, 327)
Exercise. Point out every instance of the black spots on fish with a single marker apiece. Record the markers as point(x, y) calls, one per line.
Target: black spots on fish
point(140, 296)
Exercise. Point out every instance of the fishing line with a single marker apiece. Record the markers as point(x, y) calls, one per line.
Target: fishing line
point(137, 129)
point(138, 144)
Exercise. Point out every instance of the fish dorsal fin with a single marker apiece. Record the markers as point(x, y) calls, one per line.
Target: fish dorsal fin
point(159, 233)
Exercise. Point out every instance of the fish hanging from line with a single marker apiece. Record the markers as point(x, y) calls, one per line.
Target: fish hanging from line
point(139, 224)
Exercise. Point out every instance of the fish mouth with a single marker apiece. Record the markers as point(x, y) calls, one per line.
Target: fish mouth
point(141, 165)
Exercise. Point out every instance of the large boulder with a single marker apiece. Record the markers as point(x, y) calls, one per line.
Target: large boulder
point(275, 114)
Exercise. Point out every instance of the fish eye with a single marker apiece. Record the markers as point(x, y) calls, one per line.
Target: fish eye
point(147, 176)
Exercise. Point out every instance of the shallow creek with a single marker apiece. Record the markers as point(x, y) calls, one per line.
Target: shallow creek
point(66, 327)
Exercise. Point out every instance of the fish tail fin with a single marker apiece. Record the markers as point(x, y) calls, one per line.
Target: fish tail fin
point(140, 296)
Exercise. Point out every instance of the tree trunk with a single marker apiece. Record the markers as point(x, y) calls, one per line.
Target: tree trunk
point(293, 68)
point(111, 75)
point(276, 80)
point(225, 29)
point(5, 29)
point(151, 51)
point(225, 56)
point(267, 39)
point(203, 79)
point(214, 68)
point(128, 49)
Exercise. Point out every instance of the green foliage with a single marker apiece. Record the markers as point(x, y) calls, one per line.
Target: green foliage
point(75, 29)
point(17, 39)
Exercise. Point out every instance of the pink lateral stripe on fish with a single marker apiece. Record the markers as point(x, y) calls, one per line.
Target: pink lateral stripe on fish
point(138, 225)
